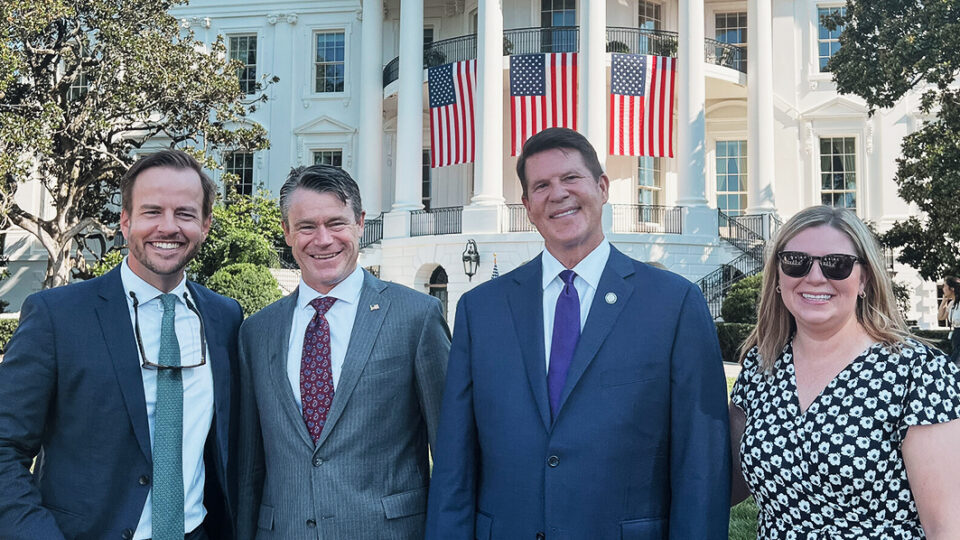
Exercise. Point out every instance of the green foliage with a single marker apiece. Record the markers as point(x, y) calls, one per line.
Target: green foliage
point(7, 326)
point(889, 48)
point(902, 294)
point(107, 263)
point(740, 304)
point(743, 520)
point(251, 285)
point(244, 230)
point(83, 85)
point(617, 47)
point(731, 336)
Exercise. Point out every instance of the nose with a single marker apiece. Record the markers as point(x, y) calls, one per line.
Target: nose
point(558, 192)
point(323, 236)
point(168, 223)
point(815, 275)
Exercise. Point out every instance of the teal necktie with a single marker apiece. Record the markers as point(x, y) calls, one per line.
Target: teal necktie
point(168, 432)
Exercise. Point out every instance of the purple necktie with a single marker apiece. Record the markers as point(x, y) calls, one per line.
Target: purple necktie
point(316, 375)
point(566, 334)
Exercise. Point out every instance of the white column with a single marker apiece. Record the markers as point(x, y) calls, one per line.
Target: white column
point(410, 108)
point(593, 80)
point(488, 170)
point(760, 151)
point(691, 128)
point(370, 145)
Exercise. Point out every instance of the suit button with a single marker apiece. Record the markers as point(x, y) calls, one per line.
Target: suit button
point(311, 523)
point(553, 461)
point(317, 461)
point(127, 534)
point(541, 536)
point(144, 480)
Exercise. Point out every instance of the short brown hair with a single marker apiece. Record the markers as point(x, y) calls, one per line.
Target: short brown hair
point(174, 159)
point(558, 138)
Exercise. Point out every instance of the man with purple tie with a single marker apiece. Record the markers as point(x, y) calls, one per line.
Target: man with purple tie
point(585, 395)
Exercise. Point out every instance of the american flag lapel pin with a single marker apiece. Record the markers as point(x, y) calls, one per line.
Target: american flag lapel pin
point(374, 307)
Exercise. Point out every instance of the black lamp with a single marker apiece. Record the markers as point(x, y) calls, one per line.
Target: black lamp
point(471, 259)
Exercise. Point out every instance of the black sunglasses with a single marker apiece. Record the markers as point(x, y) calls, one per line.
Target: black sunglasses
point(835, 266)
point(146, 364)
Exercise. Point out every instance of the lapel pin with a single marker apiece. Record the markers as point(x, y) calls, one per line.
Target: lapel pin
point(374, 307)
point(611, 298)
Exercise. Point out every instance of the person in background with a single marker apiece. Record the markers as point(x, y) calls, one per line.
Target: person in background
point(949, 311)
point(843, 425)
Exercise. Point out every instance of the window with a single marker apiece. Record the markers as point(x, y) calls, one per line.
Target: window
point(240, 164)
point(650, 16)
point(243, 48)
point(732, 177)
point(838, 172)
point(328, 157)
point(427, 36)
point(425, 180)
point(81, 83)
point(558, 13)
point(732, 29)
point(649, 180)
point(329, 62)
point(828, 41)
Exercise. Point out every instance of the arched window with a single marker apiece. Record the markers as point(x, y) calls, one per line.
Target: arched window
point(438, 287)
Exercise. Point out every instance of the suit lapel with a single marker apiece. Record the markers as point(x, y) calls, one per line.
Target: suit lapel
point(526, 307)
point(277, 345)
point(114, 317)
point(219, 366)
point(601, 319)
point(366, 326)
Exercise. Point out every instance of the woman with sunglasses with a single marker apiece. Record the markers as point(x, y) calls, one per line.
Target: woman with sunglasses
point(842, 424)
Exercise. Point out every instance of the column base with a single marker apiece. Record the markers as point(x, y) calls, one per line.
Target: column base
point(396, 224)
point(481, 219)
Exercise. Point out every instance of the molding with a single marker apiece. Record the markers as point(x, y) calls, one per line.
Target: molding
point(289, 18)
point(323, 124)
point(189, 22)
point(835, 107)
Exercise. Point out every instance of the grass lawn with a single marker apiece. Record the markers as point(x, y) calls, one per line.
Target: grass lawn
point(743, 521)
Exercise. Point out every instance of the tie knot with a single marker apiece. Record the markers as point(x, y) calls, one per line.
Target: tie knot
point(169, 301)
point(322, 304)
point(567, 277)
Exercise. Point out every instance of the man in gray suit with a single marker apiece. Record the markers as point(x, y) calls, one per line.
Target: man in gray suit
point(341, 384)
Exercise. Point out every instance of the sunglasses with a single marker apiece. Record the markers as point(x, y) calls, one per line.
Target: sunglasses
point(836, 266)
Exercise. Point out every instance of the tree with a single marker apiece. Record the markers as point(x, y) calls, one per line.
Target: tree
point(83, 85)
point(892, 47)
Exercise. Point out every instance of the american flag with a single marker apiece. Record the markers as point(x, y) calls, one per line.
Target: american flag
point(641, 105)
point(496, 272)
point(452, 87)
point(543, 94)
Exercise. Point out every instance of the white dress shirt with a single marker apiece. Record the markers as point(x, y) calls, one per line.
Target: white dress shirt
point(197, 389)
point(340, 317)
point(588, 273)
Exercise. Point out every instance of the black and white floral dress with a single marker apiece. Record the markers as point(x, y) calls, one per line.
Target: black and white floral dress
point(835, 471)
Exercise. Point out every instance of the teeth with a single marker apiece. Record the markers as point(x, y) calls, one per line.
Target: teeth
point(324, 257)
point(816, 296)
point(567, 213)
point(166, 245)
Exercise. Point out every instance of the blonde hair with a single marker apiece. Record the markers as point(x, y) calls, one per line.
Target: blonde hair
point(876, 311)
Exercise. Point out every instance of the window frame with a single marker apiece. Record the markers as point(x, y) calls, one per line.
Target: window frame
point(656, 190)
point(317, 152)
point(818, 25)
point(231, 168)
point(658, 22)
point(256, 52)
point(742, 66)
point(315, 64)
point(818, 162)
point(742, 173)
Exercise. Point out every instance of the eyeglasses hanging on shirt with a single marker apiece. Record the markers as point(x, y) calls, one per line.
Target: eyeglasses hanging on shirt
point(146, 364)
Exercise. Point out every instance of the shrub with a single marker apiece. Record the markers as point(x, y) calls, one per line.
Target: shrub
point(617, 47)
point(740, 304)
point(251, 285)
point(731, 336)
point(107, 263)
point(7, 326)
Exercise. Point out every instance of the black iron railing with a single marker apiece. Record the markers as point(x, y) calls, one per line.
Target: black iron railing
point(372, 231)
point(716, 284)
point(567, 39)
point(285, 258)
point(647, 218)
point(515, 219)
point(734, 231)
point(436, 221)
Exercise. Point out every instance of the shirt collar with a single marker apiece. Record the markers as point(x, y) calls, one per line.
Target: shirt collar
point(590, 268)
point(347, 290)
point(144, 291)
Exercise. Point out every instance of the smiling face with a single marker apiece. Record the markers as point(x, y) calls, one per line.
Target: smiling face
point(325, 236)
point(817, 303)
point(565, 202)
point(165, 224)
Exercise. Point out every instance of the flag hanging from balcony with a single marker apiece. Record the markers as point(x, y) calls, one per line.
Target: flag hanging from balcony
point(543, 94)
point(451, 88)
point(641, 105)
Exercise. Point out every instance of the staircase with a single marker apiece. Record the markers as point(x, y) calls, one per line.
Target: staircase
point(749, 234)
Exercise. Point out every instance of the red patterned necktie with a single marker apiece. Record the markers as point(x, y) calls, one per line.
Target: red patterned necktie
point(316, 375)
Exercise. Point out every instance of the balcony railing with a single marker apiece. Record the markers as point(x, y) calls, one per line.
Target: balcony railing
point(515, 219)
point(372, 231)
point(567, 39)
point(436, 221)
point(647, 218)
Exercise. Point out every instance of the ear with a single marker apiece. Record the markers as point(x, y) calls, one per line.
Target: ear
point(125, 223)
point(604, 184)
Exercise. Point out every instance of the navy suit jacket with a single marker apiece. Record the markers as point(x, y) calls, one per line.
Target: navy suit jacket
point(71, 390)
point(639, 447)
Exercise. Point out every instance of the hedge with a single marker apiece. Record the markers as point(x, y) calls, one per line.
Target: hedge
point(7, 326)
point(251, 285)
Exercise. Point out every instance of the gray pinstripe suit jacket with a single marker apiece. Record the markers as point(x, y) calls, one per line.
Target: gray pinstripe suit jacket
point(367, 476)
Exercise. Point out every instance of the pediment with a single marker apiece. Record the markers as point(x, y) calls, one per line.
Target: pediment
point(323, 124)
point(836, 107)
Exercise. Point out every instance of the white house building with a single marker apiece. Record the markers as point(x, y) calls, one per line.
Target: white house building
point(760, 130)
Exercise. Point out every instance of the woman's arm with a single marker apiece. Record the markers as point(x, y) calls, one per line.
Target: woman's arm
point(932, 457)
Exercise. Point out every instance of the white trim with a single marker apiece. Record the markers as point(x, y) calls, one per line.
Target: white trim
point(310, 92)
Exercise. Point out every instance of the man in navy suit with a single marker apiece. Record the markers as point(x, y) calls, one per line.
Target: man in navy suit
point(585, 395)
point(124, 385)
